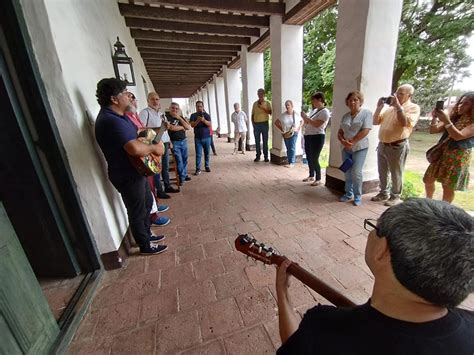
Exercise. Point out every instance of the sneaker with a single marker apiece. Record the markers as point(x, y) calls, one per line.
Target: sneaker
point(171, 189)
point(243, 152)
point(208, 170)
point(234, 152)
point(345, 198)
point(163, 208)
point(266, 160)
point(357, 201)
point(215, 153)
point(392, 201)
point(197, 172)
point(380, 197)
point(316, 183)
point(162, 194)
point(162, 221)
point(309, 179)
point(187, 178)
point(152, 249)
point(157, 238)
point(256, 159)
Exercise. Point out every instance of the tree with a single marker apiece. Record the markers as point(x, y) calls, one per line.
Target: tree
point(431, 53)
point(267, 72)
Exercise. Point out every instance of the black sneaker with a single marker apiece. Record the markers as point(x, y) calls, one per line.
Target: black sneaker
point(157, 238)
point(152, 249)
point(187, 178)
point(256, 159)
point(197, 172)
point(266, 160)
point(171, 189)
point(208, 170)
point(161, 194)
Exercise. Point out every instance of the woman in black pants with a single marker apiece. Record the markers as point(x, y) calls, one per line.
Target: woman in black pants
point(314, 133)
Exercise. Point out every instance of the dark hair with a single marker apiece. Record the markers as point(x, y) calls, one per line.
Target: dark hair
point(454, 112)
point(431, 247)
point(357, 94)
point(106, 88)
point(200, 102)
point(318, 96)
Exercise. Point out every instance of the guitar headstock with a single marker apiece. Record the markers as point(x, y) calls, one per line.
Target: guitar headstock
point(247, 244)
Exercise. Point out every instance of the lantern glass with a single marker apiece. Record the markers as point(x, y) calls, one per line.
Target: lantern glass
point(123, 66)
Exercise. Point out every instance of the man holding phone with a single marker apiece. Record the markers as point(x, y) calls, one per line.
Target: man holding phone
point(201, 122)
point(396, 121)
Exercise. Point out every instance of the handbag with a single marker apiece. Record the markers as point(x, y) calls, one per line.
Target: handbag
point(434, 153)
point(291, 131)
point(346, 164)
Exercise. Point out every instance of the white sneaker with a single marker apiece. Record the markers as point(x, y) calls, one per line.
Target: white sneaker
point(291, 165)
point(235, 152)
point(316, 183)
point(309, 179)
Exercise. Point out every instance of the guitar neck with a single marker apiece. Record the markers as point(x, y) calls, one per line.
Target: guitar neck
point(319, 286)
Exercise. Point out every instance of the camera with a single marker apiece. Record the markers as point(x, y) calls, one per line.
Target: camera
point(439, 105)
point(387, 100)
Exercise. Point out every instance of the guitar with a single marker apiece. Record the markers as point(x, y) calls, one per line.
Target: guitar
point(248, 245)
point(149, 164)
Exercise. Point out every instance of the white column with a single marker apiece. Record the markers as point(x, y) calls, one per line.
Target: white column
point(287, 79)
point(205, 98)
point(366, 42)
point(221, 107)
point(252, 80)
point(201, 95)
point(232, 95)
point(211, 108)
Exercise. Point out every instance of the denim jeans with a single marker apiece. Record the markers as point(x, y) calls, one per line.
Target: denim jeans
point(201, 144)
point(165, 165)
point(313, 144)
point(290, 144)
point(261, 128)
point(180, 149)
point(353, 176)
point(138, 200)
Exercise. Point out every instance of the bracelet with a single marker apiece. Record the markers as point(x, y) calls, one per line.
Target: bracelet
point(448, 125)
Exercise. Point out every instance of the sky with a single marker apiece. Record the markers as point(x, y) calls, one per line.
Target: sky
point(468, 83)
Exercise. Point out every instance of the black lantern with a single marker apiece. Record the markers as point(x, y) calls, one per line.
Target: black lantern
point(123, 64)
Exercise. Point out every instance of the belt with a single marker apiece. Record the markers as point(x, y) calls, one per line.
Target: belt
point(396, 143)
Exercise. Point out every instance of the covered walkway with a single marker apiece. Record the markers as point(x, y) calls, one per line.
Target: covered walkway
point(205, 297)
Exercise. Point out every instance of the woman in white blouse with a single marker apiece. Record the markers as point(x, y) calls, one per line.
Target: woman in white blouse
point(289, 125)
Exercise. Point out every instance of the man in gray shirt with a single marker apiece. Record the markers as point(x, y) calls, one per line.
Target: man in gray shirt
point(152, 117)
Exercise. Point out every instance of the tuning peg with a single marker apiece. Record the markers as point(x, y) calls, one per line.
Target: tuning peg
point(269, 253)
point(259, 249)
point(251, 245)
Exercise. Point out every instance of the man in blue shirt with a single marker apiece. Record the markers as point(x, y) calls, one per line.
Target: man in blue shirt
point(201, 122)
point(117, 138)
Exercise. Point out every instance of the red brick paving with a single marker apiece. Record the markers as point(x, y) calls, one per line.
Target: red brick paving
point(202, 296)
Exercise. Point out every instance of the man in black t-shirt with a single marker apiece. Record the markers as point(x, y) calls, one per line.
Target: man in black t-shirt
point(177, 130)
point(421, 253)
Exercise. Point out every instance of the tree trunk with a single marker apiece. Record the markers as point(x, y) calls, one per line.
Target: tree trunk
point(397, 74)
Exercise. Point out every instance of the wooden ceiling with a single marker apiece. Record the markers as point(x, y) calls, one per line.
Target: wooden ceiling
point(183, 43)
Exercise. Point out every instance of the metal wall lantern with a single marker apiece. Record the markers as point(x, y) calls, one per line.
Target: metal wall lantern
point(123, 64)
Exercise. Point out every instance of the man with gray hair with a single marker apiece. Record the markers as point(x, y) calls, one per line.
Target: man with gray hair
point(421, 253)
point(396, 121)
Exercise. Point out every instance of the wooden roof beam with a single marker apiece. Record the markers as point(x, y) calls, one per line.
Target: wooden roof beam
point(260, 44)
point(305, 10)
point(147, 52)
point(183, 61)
point(239, 6)
point(161, 13)
point(143, 43)
point(191, 38)
point(191, 27)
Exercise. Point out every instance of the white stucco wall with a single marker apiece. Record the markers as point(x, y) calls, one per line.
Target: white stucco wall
point(73, 45)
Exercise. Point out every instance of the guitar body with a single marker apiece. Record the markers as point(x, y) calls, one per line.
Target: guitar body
point(149, 164)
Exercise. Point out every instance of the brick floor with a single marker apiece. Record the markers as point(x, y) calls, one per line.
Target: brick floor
point(202, 296)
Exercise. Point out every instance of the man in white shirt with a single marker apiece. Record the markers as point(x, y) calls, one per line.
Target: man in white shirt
point(239, 118)
point(152, 117)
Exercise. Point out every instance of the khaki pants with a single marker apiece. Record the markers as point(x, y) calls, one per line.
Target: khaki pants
point(391, 163)
point(238, 135)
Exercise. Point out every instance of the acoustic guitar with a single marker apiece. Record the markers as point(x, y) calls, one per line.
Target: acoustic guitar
point(149, 164)
point(248, 245)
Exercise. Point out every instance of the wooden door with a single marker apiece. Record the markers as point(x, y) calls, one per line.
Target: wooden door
point(27, 325)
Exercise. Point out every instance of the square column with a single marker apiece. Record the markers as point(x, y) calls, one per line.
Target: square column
point(286, 43)
point(200, 96)
point(221, 107)
point(252, 80)
point(232, 86)
point(205, 98)
point(211, 108)
point(366, 42)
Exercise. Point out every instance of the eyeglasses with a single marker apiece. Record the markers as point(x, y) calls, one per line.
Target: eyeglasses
point(370, 225)
point(133, 97)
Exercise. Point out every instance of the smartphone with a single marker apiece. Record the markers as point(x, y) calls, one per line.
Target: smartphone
point(439, 105)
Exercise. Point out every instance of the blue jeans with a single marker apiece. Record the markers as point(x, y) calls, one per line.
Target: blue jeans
point(261, 128)
point(290, 144)
point(353, 176)
point(201, 144)
point(181, 155)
